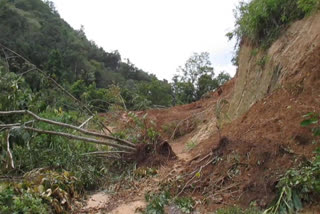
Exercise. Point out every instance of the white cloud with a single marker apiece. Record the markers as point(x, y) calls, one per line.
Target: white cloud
point(155, 35)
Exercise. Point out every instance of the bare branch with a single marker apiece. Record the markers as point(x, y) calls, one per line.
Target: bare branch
point(10, 126)
point(55, 83)
point(9, 151)
point(85, 122)
point(109, 157)
point(68, 126)
point(86, 139)
point(7, 126)
point(30, 70)
point(106, 152)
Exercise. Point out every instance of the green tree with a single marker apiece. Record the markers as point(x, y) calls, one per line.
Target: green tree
point(183, 92)
point(156, 91)
point(195, 79)
point(196, 66)
point(54, 65)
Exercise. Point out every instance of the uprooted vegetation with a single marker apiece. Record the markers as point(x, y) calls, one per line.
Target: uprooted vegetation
point(51, 156)
point(251, 146)
point(254, 172)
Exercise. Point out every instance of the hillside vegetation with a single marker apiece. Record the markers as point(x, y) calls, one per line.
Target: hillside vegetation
point(68, 123)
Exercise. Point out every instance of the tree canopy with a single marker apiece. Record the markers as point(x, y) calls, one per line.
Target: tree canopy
point(196, 78)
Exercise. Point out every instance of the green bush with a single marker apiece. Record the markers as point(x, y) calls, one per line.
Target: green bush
point(263, 20)
point(185, 204)
point(156, 202)
point(308, 6)
point(31, 151)
point(13, 202)
point(297, 186)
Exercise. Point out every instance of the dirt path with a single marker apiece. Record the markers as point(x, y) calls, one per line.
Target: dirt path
point(133, 200)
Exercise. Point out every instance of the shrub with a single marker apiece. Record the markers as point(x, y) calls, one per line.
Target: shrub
point(300, 184)
point(13, 202)
point(262, 21)
point(31, 151)
point(186, 205)
point(156, 202)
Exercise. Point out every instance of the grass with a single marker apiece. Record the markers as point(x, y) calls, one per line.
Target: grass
point(191, 145)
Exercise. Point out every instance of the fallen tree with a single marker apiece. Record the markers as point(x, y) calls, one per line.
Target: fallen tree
point(124, 147)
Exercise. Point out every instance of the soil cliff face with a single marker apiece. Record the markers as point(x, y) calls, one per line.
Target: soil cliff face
point(289, 62)
point(261, 109)
point(233, 146)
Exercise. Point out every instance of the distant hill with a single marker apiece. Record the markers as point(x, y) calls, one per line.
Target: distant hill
point(34, 29)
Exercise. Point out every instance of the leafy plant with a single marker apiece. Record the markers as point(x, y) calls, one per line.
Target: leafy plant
point(186, 205)
point(12, 201)
point(191, 145)
point(312, 120)
point(300, 184)
point(262, 21)
point(32, 151)
point(143, 130)
point(309, 6)
point(156, 202)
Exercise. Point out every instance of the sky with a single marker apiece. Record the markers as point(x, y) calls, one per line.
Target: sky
point(157, 36)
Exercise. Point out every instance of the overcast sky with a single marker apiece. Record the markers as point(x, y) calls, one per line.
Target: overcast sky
point(156, 35)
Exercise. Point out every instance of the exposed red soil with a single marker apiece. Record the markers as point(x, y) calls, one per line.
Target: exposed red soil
point(166, 120)
point(239, 161)
point(257, 149)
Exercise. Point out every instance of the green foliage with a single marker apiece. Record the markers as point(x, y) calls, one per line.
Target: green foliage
point(12, 201)
point(15, 93)
point(312, 120)
point(262, 21)
point(42, 37)
point(43, 189)
point(45, 151)
point(156, 202)
point(143, 130)
point(158, 92)
point(308, 6)
point(186, 205)
point(183, 91)
point(191, 145)
point(297, 186)
point(300, 184)
point(196, 78)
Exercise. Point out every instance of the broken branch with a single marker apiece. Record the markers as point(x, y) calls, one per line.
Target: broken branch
point(68, 126)
point(9, 151)
point(85, 122)
point(70, 136)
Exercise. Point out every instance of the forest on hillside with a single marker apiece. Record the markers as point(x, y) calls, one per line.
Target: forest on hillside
point(62, 96)
point(85, 69)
